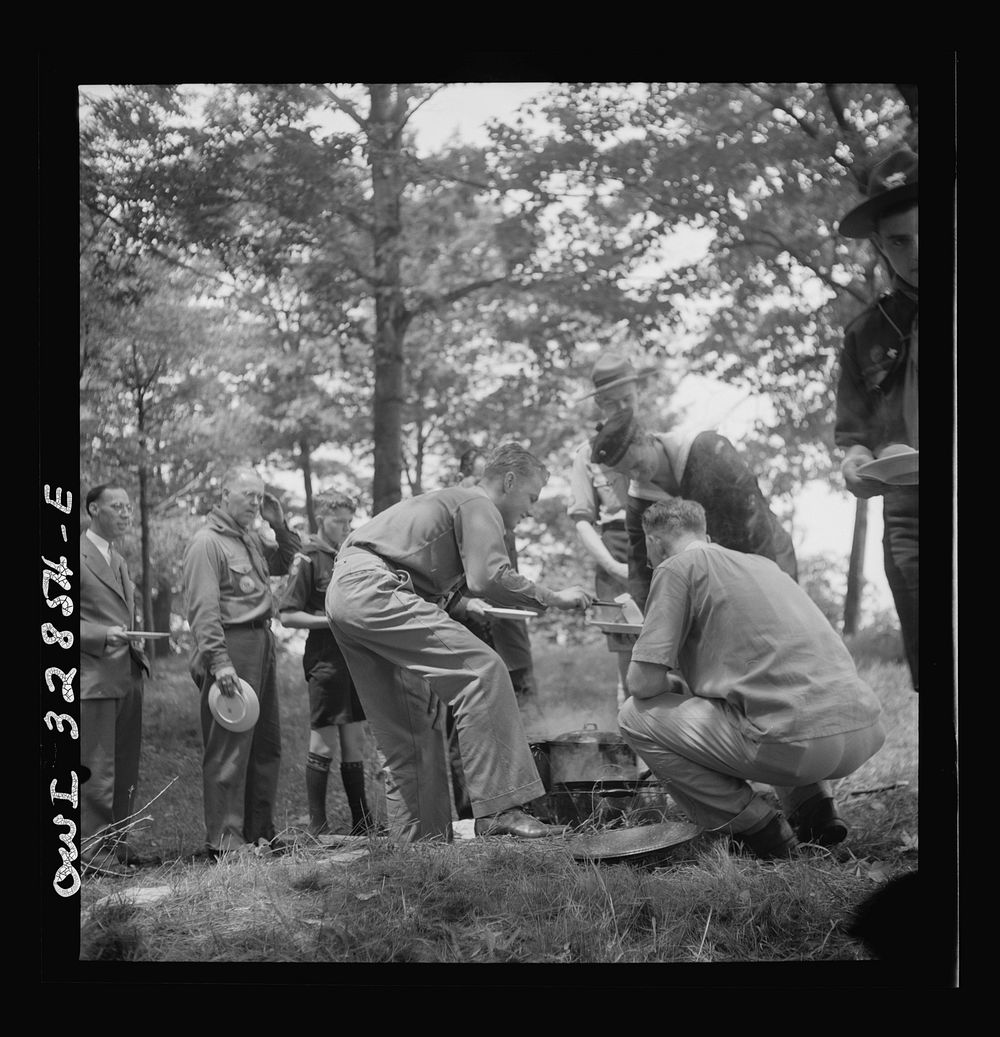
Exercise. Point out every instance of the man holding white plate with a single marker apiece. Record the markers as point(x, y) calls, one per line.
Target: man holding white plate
point(227, 591)
point(877, 420)
point(386, 607)
point(112, 663)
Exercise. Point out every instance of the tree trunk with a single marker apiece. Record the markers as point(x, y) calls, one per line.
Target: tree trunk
point(146, 584)
point(305, 463)
point(162, 601)
point(384, 138)
point(855, 569)
point(147, 588)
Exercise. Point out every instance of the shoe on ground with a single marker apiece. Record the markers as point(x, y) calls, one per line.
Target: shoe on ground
point(775, 840)
point(517, 823)
point(817, 821)
point(275, 847)
point(316, 830)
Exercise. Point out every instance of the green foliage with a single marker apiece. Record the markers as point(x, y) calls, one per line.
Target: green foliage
point(764, 171)
point(240, 274)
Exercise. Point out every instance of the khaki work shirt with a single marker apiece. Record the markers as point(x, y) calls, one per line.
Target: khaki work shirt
point(738, 629)
point(597, 494)
point(227, 584)
point(447, 537)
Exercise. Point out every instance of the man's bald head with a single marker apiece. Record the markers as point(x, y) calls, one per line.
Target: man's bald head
point(242, 495)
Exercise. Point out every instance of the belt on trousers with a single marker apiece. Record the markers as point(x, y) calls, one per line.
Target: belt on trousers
point(255, 624)
point(615, 526)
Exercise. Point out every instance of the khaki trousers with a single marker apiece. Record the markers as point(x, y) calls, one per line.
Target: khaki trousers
point(408, 657)
point(696, 748)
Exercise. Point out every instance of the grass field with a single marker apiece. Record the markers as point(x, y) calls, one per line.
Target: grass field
point(486, 900)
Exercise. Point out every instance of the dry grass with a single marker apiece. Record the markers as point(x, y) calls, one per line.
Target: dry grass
point(492, 900)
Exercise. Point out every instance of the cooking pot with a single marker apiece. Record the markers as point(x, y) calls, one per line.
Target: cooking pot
point(588, 755)
point(589, 776)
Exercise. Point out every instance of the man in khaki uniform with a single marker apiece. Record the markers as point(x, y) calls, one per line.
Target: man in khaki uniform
point(229, 606)
point(385, 604)
point(598, 495)
point(111, 668)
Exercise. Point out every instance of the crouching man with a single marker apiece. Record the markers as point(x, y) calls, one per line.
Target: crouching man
point(385, 606)
point(737, 676)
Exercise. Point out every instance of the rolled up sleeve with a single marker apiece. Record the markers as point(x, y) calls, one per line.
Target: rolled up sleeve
point(489, 573)
point(667, 622)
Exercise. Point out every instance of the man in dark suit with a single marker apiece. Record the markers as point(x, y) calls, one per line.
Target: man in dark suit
point(112, 665)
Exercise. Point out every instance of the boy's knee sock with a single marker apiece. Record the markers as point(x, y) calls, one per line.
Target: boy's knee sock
point(353, 776)
point(317, 775)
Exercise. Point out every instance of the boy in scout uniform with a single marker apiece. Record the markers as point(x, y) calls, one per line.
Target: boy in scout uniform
point(877, 391)
point(335, 710)
point(227, 570)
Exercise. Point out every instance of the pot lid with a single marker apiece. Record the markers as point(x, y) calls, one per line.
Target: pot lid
point(589, 733)
point(625, 844)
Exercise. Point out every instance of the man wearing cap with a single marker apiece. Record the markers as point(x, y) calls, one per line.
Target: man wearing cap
point(877, 391)
point(737, 676)
point(111, 669)
point(704, 467)
point(385, 604)
point(335, 709)
point(227, 591)
point(598, 495)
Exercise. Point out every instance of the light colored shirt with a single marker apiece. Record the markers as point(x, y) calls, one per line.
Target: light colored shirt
point(102, 545)
point(738, 629)
point(447, 537)
point(597, 494)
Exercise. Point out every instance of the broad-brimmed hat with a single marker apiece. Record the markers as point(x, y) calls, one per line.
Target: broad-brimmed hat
point(613, 438)
point(893, 180)
point(611, 370)
point(234, 712)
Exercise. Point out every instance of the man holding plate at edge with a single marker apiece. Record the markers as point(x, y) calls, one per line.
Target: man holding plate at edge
point(877, 393)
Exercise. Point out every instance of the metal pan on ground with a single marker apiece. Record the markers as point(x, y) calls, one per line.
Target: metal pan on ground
point(897, 469)
point(491, 610)
point(643, 845)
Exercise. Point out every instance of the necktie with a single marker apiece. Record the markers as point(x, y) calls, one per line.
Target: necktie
point(115, 563)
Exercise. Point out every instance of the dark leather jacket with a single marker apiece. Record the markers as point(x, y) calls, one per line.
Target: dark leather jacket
point(712, 472)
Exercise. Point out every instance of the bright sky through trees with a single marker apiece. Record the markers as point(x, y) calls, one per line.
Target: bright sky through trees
point(824, 514)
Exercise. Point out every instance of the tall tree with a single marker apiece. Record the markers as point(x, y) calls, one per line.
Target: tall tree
point(761, 172)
